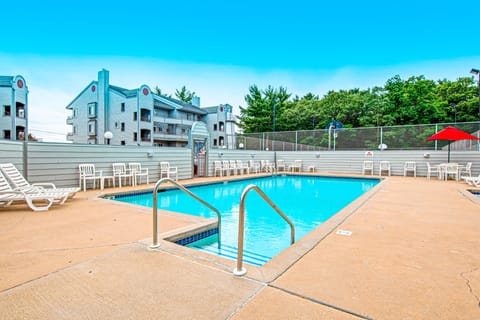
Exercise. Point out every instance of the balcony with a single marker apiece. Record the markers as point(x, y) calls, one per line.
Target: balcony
point(170, 137)
point(70, 120)
point(168, 120)
point(70, 136)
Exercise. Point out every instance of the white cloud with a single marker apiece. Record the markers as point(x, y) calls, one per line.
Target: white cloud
point(53, 82)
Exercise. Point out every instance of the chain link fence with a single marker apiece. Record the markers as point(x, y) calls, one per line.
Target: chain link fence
point(410, 137)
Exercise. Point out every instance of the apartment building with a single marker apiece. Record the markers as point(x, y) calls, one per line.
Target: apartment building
point(14, 107)
point(106, 114)
point(221, 124)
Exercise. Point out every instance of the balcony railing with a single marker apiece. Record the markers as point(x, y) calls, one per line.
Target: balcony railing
point(173, 120)
point(69, 120)
point(170, 136)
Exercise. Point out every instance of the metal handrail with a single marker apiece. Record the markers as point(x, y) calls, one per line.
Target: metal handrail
point(240, 270)
point(155, 209)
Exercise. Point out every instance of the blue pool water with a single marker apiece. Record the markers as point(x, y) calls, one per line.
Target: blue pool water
point(307, 200)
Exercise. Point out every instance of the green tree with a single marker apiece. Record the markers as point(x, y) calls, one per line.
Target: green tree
point(159, 92)
point(263, 109)
point(185, 95)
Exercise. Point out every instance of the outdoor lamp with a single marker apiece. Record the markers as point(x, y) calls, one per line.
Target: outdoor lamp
point(108, 135)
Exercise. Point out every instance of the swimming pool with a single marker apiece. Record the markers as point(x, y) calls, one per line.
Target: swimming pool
point(307, 200)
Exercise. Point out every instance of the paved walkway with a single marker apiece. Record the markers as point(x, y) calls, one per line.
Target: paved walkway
point(413, 254)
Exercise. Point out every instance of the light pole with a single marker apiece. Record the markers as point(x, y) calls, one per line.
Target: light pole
point(477, 73)
point(454, 106)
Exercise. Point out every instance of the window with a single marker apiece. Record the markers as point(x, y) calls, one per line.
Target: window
point(75, 112)
point(6, 111)
point(91, 128)
point(6, 134)
point(214, 142)
point(221, 141)
point(134, 136)
point(122, 107)
point(184, 130)
point(135, 116)
point(92, 109)
point(220, 126)
point(122, 142)
point(215, 127)
point(74, 129)
point(122, 126)
point(21, 113)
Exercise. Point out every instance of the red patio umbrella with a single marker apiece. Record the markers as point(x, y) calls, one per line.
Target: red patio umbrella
point(452, 134)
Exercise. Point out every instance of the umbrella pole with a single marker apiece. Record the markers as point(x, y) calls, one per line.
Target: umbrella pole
point(448, 152)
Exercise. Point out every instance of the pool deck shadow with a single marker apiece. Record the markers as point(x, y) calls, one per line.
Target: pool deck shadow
point(413, 253)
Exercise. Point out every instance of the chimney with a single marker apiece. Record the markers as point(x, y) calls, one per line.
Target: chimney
point(196, 101)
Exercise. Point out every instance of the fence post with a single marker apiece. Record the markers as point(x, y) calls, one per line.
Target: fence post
point(25, 158)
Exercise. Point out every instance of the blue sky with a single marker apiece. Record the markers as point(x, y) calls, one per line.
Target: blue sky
point(219, 48)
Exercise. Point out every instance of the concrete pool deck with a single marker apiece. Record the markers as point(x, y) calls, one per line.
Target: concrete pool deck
point(414, 253)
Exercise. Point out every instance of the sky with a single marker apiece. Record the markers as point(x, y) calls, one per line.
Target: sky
point(218, 49)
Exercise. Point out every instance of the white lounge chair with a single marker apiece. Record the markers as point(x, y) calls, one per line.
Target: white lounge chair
point(19, 182)
point(281, 165)
point(474, 181)
point(410, 166)
point(9, 195)
point(137, 172)
point(167, 171)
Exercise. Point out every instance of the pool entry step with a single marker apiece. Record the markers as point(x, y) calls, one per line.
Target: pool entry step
point(210, 245)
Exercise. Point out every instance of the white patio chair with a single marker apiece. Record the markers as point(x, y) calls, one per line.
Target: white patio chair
point(8, 196)
point(384, 166)
point(451, 169)
point(138, 172)
point(87, 172)
point(253, 166)
point(410, 166)
point(19, 182)
point(233, 167)
point(433, 170)
point(242, 167)
point(226, 167)
point(367, 166)
point(120, 172)
point(217, 168)
point(467, 170)
point(296, 166)
point(281, 165)
point(168, 171)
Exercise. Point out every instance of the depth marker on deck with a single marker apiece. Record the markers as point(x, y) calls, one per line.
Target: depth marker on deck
point(344, 232)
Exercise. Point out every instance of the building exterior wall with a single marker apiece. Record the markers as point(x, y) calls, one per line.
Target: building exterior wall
point(147, 119)
point(221, 125)
point(13, 107)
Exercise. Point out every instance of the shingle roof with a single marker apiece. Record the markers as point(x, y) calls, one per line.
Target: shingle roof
point(126, 92)
point(185, 106)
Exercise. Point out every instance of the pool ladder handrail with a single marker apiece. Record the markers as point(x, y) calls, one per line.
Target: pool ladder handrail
point(182, 188)
point(240, 270)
